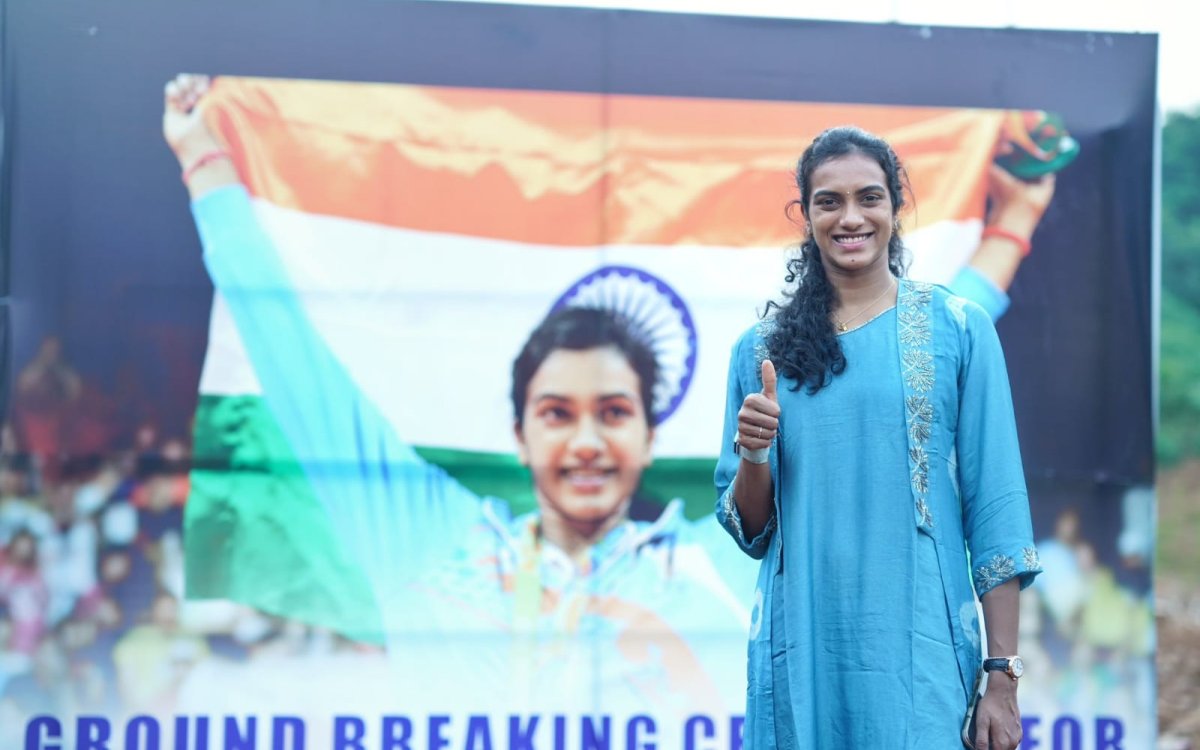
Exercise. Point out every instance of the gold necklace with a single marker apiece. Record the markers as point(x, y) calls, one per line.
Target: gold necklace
point(843, 324)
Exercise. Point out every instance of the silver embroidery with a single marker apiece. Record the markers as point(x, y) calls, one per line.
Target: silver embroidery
point(923, 511)
point(916, 336)
point(994, 572)
point(918, 370)
point(920, 471)
point(922, 293)
point(914, 327)
point(735, 519)
point(729, 505)
point(920, 418)
point(1032, 561)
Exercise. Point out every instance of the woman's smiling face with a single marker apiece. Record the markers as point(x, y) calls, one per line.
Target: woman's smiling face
point(851, 213)
point(585, 434)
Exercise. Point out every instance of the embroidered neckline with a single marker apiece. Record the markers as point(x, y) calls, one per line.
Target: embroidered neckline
point(867, 322)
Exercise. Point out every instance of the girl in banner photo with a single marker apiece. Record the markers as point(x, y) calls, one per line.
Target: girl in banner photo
point(574, 607)
point(869, 447)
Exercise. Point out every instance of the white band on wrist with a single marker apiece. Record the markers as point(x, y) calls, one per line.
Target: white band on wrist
point(756, 456)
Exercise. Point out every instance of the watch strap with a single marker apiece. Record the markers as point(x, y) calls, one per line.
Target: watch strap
point(1013, 666)
point(998, 664)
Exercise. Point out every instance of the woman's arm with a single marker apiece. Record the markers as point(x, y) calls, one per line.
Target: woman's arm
point(998, 719)
point(746, 490)
point(995, 502)
point(393, 511)
point(1017, 208)
point(758, 421)
point(202, 157)
point(996, 517)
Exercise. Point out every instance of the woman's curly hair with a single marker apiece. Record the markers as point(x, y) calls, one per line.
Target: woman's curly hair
point(802, 343)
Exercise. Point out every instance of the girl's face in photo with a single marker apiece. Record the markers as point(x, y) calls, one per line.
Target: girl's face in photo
point(851, 214)
point(585, 435)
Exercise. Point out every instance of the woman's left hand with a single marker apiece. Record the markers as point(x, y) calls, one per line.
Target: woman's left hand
point(997, 718)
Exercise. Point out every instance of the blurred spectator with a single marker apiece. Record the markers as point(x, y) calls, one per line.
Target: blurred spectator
point(57, 413)
point(68, 551)
point(47, 390)
point(129, 578)
point(19, 507)
point(89, 638)
point(153, 659)
point(24, 593)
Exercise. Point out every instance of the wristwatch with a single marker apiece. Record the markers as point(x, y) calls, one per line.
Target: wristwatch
point(754, 456)
point(1012, 666)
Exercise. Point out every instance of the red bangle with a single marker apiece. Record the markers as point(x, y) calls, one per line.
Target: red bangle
point(1021, 242)
point(205, 159)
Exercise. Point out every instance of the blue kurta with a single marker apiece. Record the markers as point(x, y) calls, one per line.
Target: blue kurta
point(865, 631)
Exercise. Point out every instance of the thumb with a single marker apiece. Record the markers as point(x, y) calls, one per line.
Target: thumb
point(768, 380)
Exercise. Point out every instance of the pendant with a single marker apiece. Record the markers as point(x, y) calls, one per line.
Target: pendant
point(842, 327)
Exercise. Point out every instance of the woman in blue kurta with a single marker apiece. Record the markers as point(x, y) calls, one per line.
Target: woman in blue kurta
point(878, 477)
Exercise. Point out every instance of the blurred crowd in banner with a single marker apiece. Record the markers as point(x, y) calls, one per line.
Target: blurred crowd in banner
point(92, 617)
point(1087, 623)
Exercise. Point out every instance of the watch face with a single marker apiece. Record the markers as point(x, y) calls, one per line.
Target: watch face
point(1017, 666)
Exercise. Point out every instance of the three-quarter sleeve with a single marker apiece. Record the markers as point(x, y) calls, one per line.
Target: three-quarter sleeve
point(995, 502)
point(728, 462)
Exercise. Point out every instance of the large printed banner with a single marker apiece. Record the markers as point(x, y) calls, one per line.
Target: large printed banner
point(416, 364)
point(625, 203)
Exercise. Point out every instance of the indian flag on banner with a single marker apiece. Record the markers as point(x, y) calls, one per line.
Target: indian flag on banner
point(428, 230)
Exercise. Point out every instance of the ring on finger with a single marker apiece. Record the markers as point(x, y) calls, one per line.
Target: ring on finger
point(760, 431)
